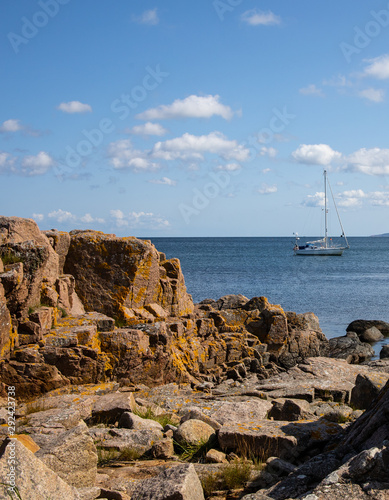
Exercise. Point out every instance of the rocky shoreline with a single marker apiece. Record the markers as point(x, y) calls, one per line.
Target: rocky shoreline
point(123, 388)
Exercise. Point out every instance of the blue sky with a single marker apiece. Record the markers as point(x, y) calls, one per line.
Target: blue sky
point(206, 118)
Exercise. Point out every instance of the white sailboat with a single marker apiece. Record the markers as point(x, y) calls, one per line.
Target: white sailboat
point(324, 246)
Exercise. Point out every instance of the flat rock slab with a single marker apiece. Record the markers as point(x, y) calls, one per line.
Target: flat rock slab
point(241, 411)
point(178, 483)
point(281, 439)
point(34, 480)
point(323, 378)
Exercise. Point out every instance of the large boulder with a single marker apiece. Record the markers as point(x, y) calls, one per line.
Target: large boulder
point(179, 483)
point(116, 275)
point(33, 479)
point(21, 241)
point(350, 348)
point(359, 326)
point(72, 454)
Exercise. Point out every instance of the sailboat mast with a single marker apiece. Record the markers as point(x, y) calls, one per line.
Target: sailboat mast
point(325, 208)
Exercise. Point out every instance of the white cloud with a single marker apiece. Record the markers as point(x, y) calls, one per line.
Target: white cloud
point(6, 161)
point(315, 154)
point(38, 217)
point(257, 17)
point(312, 90)
point(266, 189)
point(123, 156)
point(268, 151)
point(146, 220)
point(338, 81)
point(375, 95)
point(229, 167)
point(165, 181)
point(74, 107)
point(373, 161)
point(148, 128)
point(378, 67)
point(266, 170)
point(62, 216)
point(191, 107)
point(11, 126)
point(314, 200)
point(38, 164)
point(149, 17)
point(191, 146)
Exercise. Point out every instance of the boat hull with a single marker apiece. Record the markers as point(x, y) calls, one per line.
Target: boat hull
point(319, 251)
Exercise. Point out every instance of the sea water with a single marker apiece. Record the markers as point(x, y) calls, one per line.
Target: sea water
point(337, 289)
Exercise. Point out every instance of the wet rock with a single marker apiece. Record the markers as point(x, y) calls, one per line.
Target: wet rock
point(359, 326)
point(384, 354)
point(180, 482)
point(350, 348)
point(372, 335)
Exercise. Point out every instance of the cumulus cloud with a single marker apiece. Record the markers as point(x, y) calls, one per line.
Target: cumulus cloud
point(377, 67)
point(74, 107)
point(165, 181)
point(314, 200)
point(193, 106)
point(375, 95)
point(312, 90)
point(268, 151)
point(257, 17)
point(192, 146)
point(62, 215)
point(149, 17)
point(373, 161)
point(146, 220)
point(11, 126)
point(266, 189)
point(124, 156)
point(148, 128)
point(38, 164)
point(316, 154)
point(38, 217)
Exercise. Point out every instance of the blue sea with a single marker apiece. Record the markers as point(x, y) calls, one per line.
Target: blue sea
point(337, 289)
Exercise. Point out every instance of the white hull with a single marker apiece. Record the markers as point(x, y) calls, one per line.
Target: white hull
point(319, 251)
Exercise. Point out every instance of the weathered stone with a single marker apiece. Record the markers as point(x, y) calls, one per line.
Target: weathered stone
point(194, 432)
point(34, 479)
point(125, 441)
point(372, 335)
point(5, 327)
point(60, 241)
point(367, 388)
point(22, 239)
point(216, 457)
point(44, 317)
point(109, 408)
point(290, 410)
point(115, 273)
point(360, 325)
point(231, 302)
point(384, 354)
point(196, 413)
point(179, 483)
point(131, 421)
point(73, 456)
point(163, 449)
point(242, 411)
point(280, 439)
point(350, 348)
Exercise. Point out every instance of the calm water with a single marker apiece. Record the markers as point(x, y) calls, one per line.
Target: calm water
point(337, 289)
